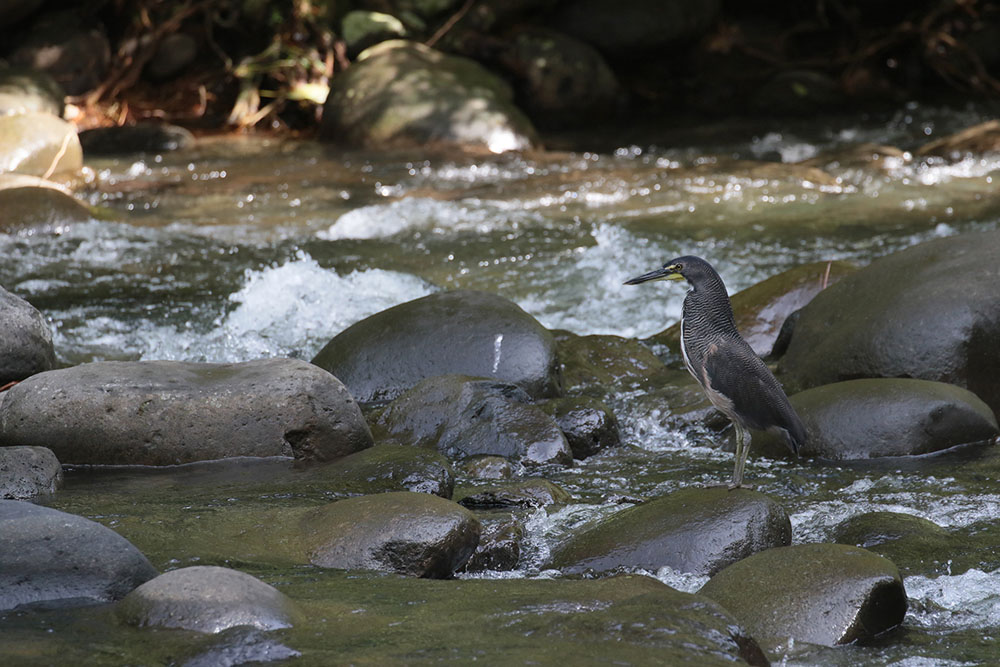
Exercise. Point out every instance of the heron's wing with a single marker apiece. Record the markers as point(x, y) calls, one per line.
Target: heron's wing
point(734, 370)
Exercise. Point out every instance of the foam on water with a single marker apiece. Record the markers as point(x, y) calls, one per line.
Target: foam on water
point(964, 601)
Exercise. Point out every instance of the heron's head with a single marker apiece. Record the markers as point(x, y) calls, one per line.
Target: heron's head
point(695, 270)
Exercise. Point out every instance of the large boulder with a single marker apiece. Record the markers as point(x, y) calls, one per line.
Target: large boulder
point(26, 472)
point(914, 544)
point(694, 530)
point(930, 312)
point(825, 594)
point(464, 416)
point(402, 94)
point(36, 207)
point(207, 599)
point(862, 419)
point(588, 424)
point(171, 412)
point(417, 534)
point(463, 332)
point(49, 556)
point(598, 365)
point(25, 339)
point(39, 144)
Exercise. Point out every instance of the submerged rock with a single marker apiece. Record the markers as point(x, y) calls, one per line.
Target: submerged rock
point(825, 594)
point(207, 599)
point(464, 416)
point(48, 556)
point(588, 424)
point(402, 94)
point(139, 138)
point(466, 332)
point(862, 419)
point(915, 545)
point(39, 144)
point(25, 340)
point(410, 533)
point(695, 530)
point(36, 209)
point(930, 312)
point(26, 472)
point(170, 412)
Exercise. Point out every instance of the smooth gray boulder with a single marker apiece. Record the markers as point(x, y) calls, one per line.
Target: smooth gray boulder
point(171, 412)
point(25, 340)
point(403, 94)
point(207, 599)
point(26, 472)
point(930, 312)
point(463, 332)
point(465, 416)
point(416, 534)
point(694, 530)
point(862, 419)
point(48, 556)
point(825, 594)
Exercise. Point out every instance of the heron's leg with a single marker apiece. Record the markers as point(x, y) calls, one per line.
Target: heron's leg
point(742, 451)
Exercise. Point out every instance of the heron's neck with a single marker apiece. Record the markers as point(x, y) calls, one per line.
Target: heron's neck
point(708, 304)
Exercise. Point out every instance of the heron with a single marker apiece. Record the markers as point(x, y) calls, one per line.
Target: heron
point(736, 381)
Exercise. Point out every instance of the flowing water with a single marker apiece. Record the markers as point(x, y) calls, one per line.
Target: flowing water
point(247, 248)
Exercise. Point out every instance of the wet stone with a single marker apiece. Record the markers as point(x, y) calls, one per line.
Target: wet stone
point(465, 416)
point(48, 556)
point(499, 547)
point(916, 545)
point(825, 594)
point(409, 533)
point(694, 530)
point(171, 412)
point(25, 341)
point(487, 467)
point(386, 467)
point(139, 138)
point(459, 332)
point(588, 424)
point(26, 472)
point(600, 364)
point(862, 419)
point(24, 90)
point(207, 599)
point(39, 144)
point(515, 493)
point(38, 209)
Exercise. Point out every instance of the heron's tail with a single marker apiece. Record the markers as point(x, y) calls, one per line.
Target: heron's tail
point(795, 433)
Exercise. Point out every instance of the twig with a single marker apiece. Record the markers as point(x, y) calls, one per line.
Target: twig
point(450, 23)
point(52, 167)
point(826, 275)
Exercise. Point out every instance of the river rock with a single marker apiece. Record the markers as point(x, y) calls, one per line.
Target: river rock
point(138, 138)
point(37, 209)
point(694, 530)
point(416, 534)
point(487, 466)
point(588, 424)
point(930, 312)
point(914, 544)
point(629, 27)
point(825, 594)
point(25, 340)
point(560, 80)
point(173, 55)
point(49, 556)
point(67, 45)
point(601, 364)
point(26, 472)
point(361, 29)
point(972, 141)
point(465, 416)
point(207, 599)
point(797, 93)
point(760, 310)
point(863, 419)
point(25, 90)
point(171, 412)
point(499, 547)
point(534, 492)
point(402, 94)
point(12, 11)
point(464, 332)
point(39, 144)
point(387, 467)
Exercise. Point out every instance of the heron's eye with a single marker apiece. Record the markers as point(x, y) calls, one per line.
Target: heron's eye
point(677, 267)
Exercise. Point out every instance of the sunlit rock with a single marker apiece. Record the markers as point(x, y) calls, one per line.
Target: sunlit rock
point(465, 416)
point(930, 312)
point(761, 310)
point(48, 556)
point(466, 332)
point(535, 492)
point(410, 533)
point(32, 205)
point(862, 419)
point(694, 530)
point(25, 340)
point(170, 412)
point(588, 424)
point(207, 599)
point(825, 594)
point(914, 544)
point(39, 144)
point(361, 29)
point(24, 90)
point(26, 472)
point(402, 94)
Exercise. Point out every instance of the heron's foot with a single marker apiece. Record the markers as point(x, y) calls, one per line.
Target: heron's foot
point(728, 485)
point(732, 485)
